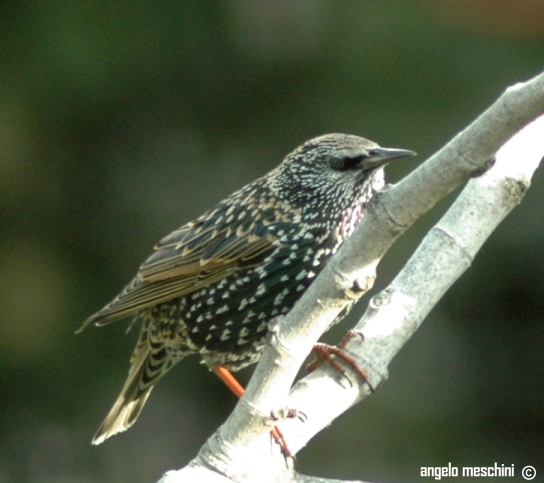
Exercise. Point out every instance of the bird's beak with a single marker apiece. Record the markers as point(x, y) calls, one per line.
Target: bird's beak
point(380, 156)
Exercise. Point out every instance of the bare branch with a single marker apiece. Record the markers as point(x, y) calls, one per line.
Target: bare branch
point(241, 449)
point(445, 253)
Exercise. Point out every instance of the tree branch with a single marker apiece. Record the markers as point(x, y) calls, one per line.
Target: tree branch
point(445, 253)
point(241, 449)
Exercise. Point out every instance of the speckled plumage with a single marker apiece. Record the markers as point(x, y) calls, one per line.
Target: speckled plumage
point(212, 286)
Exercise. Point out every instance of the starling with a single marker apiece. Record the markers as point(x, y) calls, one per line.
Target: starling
point(212, 286)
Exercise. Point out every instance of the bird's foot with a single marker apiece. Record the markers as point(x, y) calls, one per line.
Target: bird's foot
point(281, 415)
point(232, 383)
point(326, 353)
point(279, 438)
point(288, 413)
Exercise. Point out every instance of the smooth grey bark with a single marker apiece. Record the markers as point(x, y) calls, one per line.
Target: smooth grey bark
point(241, 449)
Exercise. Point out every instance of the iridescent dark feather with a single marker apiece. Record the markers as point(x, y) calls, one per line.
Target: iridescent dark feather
point(212, 286)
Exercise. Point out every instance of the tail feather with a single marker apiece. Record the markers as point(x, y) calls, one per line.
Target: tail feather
point(121, 417)
point(131, 400)
point(148, 365)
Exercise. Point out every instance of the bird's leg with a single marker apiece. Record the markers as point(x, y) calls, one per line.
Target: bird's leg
point(232, 383)
point(325, 353)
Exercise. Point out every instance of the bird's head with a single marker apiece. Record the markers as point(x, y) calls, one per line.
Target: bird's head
point(333, 170)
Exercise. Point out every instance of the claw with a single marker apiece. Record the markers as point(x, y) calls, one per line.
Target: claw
point(288, 413)
point(325, 353)
point(232, 383)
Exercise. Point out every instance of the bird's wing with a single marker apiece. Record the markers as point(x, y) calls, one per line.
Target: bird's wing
point(197, 254)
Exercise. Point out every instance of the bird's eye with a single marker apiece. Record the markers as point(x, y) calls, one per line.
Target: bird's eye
point(337, 163)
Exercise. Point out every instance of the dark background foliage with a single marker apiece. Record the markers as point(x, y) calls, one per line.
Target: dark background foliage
point(120, 121)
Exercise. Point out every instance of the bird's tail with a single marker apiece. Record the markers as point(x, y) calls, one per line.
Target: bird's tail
point(147, 367)
point(130, 402)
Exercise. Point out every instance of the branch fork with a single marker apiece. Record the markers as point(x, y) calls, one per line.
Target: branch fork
point(241, 450)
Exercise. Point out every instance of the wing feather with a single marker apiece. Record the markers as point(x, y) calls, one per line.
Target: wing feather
point(197, 254)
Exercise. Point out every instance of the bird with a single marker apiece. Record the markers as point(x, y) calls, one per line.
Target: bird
point(212, 286)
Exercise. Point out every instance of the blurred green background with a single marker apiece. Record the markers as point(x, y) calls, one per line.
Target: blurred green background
point(120, 121)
